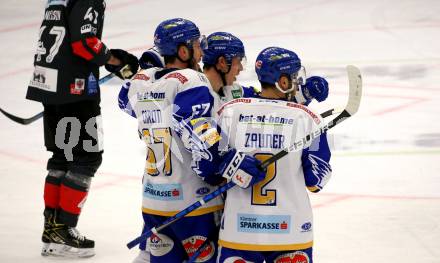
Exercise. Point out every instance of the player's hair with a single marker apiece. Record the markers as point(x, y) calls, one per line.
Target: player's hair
point(207, 67)
point(169, 59)
point(265, 85)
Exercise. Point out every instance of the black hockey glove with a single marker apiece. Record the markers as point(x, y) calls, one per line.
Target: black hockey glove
point(129, 64)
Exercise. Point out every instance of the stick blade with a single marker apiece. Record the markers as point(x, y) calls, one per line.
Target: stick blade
point(21, 120)
point(355, 92)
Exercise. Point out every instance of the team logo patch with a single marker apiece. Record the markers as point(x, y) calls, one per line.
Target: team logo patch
point(202, 191)
point(78, 87)
point(258, 64)
point(92, 87)
point(236, 93)
point(306, 227)
point(160, 244)
point(192, 244)
point(44, 78)
point(295, 257)
point(278, 57)
point(236, 260)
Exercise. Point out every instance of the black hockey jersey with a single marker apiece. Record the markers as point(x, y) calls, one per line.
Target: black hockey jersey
point(69, 52)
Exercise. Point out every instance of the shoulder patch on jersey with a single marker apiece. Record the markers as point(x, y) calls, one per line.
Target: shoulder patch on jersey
point(177, 75)
point(236, 93)
point(52, 15)
point(305, 109)
point(141, 76)
point(241, 100)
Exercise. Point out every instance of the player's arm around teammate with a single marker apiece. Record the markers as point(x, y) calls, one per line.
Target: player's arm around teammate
point(272, 221)
point(178, 149)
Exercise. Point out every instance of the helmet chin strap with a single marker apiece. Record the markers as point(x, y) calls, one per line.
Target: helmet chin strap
point(288, 92)
point(223, 74)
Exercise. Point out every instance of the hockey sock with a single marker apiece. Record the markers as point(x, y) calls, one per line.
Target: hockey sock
point(52, 189)
point(73, 194)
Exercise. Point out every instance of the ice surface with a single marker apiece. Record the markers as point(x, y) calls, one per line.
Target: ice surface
point(383, 202)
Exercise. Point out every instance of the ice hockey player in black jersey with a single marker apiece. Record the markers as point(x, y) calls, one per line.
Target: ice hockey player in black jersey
point(65, 80)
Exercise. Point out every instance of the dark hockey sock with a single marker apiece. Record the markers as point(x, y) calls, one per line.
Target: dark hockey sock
point(73, 194)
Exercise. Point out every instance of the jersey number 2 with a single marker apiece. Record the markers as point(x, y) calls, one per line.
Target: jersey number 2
point(260, 195)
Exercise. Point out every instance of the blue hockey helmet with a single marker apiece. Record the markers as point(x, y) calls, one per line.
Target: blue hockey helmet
point(172, 32)
point(222, 44)
point(272, 62)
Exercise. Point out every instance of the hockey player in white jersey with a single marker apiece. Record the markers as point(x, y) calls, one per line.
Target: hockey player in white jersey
point(316, 87)
point(272, 221)
point(173, 106)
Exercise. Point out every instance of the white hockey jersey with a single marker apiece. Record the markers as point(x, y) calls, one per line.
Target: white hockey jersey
point(274, 214)
point(236, 91)
point(164, 101)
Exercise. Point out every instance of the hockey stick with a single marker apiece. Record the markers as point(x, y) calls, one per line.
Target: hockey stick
point(354, 99)
point(331, 112)
point(22, 120)
point(39, 115)
point(191, 208)
point(200, 250)
point(181, 214)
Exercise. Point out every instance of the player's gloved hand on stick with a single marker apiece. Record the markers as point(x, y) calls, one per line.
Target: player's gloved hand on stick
point(128, 67)
point(150, 59)
point(242, 169)
point(315, 88)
